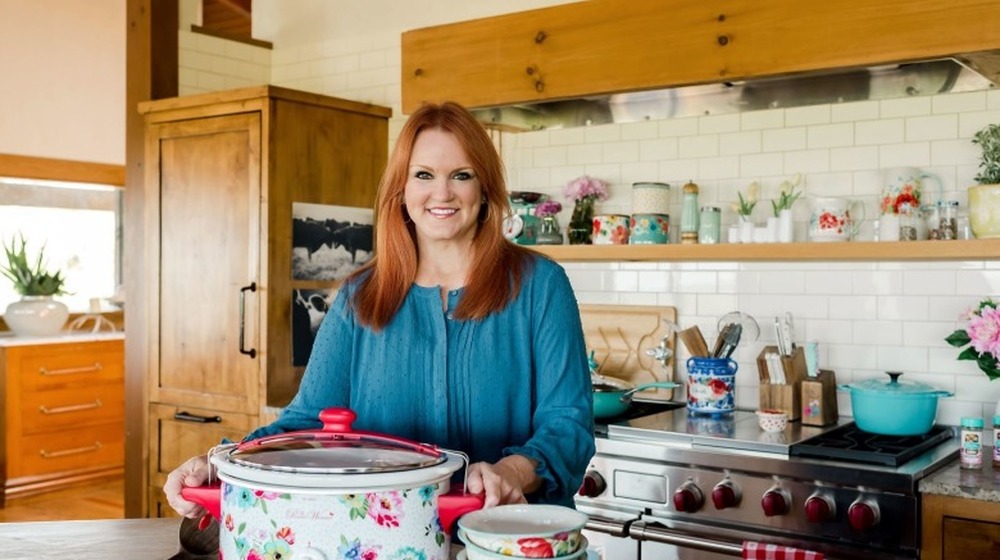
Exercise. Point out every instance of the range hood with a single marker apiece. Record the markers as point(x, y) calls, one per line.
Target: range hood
point(883, 82)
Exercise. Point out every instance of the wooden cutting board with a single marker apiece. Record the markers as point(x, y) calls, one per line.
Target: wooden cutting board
point(620, 335)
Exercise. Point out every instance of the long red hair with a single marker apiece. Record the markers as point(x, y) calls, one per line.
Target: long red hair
point(498, 264)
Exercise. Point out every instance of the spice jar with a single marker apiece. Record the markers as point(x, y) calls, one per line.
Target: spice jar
point(710, 225)
point(996, 442)
point(948, 219)
point(907, 222)
point(971, 453)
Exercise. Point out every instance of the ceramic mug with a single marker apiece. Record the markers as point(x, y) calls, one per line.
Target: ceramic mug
point(610, 229)
point(649, 229)
point(833, 219)
point(906, 185)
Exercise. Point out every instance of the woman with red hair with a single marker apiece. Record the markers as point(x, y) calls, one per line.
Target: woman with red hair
point(451, 334)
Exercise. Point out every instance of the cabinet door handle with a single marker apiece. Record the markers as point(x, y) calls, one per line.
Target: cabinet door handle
point(188, 417)
point(243, 291)
point(71, 408)
point(69, 371)
point(74, 451)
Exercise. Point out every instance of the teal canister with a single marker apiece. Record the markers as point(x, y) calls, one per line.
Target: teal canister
point(710, 225)
point(649, 229)
point(650, 198)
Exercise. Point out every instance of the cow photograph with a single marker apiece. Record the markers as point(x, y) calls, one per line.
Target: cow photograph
point(308, 309)
point(329, 242)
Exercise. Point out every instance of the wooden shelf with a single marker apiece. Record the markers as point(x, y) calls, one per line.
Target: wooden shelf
point(977, 249)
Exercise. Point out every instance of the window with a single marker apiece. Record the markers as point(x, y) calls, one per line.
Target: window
point(80, 226)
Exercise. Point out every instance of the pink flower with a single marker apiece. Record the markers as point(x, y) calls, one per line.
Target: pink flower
point(285, 534)
point(984, 330)
point(386, 508)
point(586, 187)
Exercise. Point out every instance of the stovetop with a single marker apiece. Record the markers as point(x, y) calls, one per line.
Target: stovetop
point(850, 443)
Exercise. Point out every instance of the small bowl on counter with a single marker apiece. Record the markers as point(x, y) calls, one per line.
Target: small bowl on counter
point(772, 420)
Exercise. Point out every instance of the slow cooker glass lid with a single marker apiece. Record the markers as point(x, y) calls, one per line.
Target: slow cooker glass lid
point(323, 453)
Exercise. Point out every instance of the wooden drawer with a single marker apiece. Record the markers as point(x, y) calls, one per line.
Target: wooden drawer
point(69, 408)
point(64, 450)
point(967, 538)
point(174, 441)
point(54, 366)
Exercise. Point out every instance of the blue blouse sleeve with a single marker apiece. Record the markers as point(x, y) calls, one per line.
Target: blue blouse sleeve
point(563, 419)
point(326, 381)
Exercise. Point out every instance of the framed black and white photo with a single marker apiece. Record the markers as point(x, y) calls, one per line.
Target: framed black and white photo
point(308, 310)
point(329, 242)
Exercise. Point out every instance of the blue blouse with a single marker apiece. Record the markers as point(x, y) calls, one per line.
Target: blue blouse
point(515, 382)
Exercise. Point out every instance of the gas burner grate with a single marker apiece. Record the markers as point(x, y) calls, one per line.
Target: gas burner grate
point(850, 443)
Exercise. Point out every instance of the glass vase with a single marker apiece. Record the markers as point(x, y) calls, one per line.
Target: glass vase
point(581, 222)
point(549, 232)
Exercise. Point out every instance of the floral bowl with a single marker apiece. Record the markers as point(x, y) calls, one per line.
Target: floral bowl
point(524, 530)
point(772, 420)
point(532, 548)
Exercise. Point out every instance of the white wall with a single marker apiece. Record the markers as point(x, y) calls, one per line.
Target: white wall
point(62, 79)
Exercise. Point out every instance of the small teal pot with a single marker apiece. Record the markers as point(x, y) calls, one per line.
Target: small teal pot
point(612, 397)
point(894, 408)
point(711, 386)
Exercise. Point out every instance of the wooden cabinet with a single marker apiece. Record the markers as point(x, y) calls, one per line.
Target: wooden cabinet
point(63, 411)
point(959, 528)
point(222, 173)
point(582, 49)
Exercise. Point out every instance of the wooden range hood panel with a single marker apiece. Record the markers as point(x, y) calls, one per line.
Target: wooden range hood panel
point(600, 47)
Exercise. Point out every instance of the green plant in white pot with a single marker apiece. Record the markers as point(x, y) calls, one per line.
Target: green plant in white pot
point(984, 198)
point(37, 313)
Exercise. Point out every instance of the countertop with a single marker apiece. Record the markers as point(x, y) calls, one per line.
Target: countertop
point(140, 539)
point(106, 539)
point(7, 338)
point(975, 484)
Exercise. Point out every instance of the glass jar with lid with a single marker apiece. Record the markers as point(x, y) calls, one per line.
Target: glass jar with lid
point(948, 219)
point(710, 225)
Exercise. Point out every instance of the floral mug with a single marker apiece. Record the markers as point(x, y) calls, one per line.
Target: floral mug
point(905, 185)
point(835, 219)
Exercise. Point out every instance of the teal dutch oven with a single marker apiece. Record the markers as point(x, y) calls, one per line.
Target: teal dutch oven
point(893, 407)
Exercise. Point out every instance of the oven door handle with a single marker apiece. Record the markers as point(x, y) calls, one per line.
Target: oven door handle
point(607, 526)
point(642, 531)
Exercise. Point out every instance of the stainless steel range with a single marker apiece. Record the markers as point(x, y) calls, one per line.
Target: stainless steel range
point(668, 485)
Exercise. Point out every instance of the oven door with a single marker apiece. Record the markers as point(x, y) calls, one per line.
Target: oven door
point(661, 543)
point(607, 534)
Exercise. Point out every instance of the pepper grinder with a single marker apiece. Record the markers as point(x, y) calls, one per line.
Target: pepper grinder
point(689, 214)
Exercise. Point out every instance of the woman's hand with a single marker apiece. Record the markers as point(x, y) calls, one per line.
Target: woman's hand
point(504, 482)
point(194, 472)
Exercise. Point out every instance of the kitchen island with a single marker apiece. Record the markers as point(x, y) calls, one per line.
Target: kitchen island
point(103, 539)
point(961, 512)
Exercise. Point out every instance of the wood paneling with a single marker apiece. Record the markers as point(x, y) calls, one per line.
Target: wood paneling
point(959, 528)
point(605, 46)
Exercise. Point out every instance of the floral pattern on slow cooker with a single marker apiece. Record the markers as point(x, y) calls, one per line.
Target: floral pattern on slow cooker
point(261, 545)
point(354, 550)
point(435, 527)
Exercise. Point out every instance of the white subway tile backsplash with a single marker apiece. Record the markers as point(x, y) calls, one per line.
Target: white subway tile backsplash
point(740, 143)
point(655, 281)
point(901, 358)
point(699, 147)
point(759, 120)
point(903, 155)
point(827, 282)
point(646, 130)
point(567, 136)
point(561, 155)
point(807, 161)
point(959, 102)
point(602, 133)
point(679, 127)
point(935, 127)
point(826, 332)
point(784, 139)
point(853, 158)
point(830, 135)
point(718, 124)
point(758, 165)
point(860, 308)
point(884, 131)
point(905, 107)
point(902, 308)
point(658, 149)
point(802, 116)
point(718, 167)
point(953, 152)
point(983, 282)
point(854, 111)
point(930, 283)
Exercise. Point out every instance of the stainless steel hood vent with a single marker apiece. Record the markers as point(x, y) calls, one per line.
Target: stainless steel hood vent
point(884, 82)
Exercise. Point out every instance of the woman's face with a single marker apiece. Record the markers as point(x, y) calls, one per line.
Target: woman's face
point(442, 192)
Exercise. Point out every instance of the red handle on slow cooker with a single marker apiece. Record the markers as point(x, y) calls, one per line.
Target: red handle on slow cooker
point(208, 497)
point(455, 504)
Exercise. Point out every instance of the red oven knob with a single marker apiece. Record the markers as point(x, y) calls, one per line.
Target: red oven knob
point(688, 498)
point(776, 501)
point(725, 495)
point(593, 485)
point(820, 508)
point(863, 515)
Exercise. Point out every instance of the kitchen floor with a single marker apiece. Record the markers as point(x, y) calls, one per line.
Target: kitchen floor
point(101, 500)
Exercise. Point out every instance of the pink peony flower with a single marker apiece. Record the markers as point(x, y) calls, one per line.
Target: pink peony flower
point(984, 330)
point(586, 187)
point(981, 338)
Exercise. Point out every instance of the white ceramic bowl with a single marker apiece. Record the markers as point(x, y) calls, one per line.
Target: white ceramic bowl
point(532, 547)
point(525, 530)
point(771, 420)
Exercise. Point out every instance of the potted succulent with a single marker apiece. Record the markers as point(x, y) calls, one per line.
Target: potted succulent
point(984, 198)
point(37, 313)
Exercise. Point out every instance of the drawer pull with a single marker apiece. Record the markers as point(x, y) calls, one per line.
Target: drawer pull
point(71, 408)
point(188, 417)
point(74, 451)
point(69, 371)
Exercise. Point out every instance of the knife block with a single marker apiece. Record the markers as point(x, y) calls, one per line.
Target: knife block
point(819, 399)
point(786, 397)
